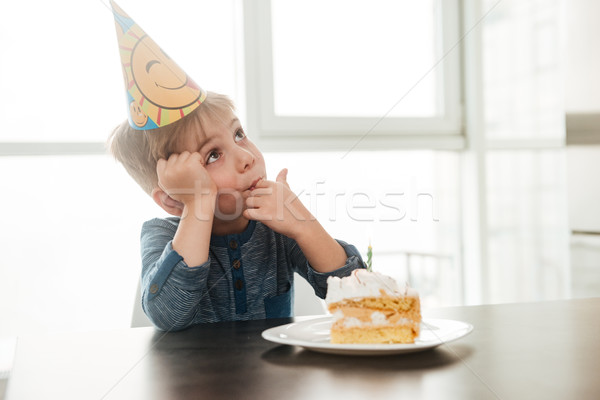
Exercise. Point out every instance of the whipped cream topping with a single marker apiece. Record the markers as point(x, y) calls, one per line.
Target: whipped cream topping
point(362, 283)
point(376, 319)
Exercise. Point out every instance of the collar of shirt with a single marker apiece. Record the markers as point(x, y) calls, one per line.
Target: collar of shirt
point(236, 239)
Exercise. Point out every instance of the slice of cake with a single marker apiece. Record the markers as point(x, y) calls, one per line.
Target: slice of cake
point(369, 307)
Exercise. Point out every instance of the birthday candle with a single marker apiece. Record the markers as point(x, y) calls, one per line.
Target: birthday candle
point(370, 258)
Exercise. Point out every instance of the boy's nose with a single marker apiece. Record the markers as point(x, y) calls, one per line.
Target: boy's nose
point(245, 159)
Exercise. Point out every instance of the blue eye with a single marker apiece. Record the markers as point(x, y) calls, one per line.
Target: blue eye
point(212, 157)
point(239, 135)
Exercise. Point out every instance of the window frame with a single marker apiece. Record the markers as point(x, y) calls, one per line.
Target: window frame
point(280, 133)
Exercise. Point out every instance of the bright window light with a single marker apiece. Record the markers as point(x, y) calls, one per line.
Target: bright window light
point(355, 58)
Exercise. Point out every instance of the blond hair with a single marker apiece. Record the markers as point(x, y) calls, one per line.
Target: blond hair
point(139, 151)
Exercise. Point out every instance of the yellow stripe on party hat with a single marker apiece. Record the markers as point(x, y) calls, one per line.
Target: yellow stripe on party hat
point(158, 91)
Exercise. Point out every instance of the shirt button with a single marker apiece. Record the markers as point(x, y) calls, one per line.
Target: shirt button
point(154, 288)
point(236, 264)
point(239, 284)
point(233, 244)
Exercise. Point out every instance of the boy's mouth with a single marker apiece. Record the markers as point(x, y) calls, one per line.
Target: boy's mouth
point(253, 185)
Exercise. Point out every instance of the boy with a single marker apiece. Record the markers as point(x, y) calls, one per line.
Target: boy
point(235, 239)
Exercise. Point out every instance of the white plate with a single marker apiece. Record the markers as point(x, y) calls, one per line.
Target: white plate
point(313, 334)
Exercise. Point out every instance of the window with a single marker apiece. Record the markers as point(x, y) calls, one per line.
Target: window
point(379, 68)
point(524, 130)
point(370, 196)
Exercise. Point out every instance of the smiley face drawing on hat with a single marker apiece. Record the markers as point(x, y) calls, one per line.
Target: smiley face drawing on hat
point(158, 91)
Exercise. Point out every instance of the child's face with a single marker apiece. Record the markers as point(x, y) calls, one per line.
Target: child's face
point(233, 162)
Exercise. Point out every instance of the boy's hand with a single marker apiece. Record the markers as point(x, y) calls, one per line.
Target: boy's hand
point(275, 205)
point(184, 178)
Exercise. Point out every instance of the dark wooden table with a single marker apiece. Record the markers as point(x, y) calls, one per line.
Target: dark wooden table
point(546, 350)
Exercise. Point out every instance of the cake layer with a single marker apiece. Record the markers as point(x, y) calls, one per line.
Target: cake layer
point(365, 335)
point(406, 306)
point(376, 319)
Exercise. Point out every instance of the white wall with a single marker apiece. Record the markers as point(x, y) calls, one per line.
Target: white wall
point(582, 96)
point(582, 56)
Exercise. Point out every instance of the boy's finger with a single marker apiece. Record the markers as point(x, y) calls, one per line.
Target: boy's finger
point(255, 214)
point(196, 156)
point(262, 183)
point(282, 176)
point(183, 156)
point(251, 202)
point(265, 191)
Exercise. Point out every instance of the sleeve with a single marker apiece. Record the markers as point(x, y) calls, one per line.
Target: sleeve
point(318, 280)
point(171, 291)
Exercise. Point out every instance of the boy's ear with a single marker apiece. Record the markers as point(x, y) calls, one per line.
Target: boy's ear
point(167, 203)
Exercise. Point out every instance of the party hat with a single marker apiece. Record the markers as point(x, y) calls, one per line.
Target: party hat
point(158, 91)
